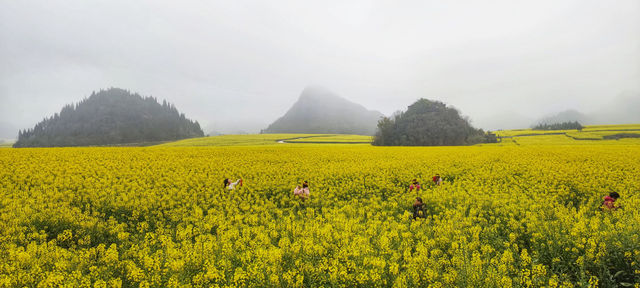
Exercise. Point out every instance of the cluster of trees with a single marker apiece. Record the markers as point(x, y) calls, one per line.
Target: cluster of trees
point(429, 123)
point(559, 126)
point(113, 116)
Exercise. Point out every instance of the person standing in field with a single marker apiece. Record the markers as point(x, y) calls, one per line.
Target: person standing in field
point(302, 191)
point(414, 185)
point(232, 185)
point(609, 203)
point(437, 179)
point(418, 209)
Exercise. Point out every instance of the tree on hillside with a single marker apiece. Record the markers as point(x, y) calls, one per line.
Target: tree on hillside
point(428, 123)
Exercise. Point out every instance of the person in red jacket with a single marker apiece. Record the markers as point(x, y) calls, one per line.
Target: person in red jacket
point(609, 203)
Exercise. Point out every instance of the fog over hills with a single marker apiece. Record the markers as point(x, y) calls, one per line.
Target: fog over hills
point(319, 110)
point(236, 66)
point(311, 113)
point(623, 109)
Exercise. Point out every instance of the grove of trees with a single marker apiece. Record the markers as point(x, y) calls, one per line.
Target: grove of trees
point(559, 126)
point(112, 116)
point(428, 123)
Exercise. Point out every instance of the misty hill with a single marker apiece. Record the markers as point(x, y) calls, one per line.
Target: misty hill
point(319, 111)
point(113, 116)
point(623, 109)
point(429, 123)
point(564, 117)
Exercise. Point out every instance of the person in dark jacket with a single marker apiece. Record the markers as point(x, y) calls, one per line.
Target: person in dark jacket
point(418, 209)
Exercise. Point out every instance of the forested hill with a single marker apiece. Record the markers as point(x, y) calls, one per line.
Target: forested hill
point(113, 116)
point(319, 111)
point(429, 123)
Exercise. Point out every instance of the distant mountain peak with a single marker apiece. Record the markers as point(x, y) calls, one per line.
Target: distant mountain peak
point(318, 93)
point(319, 110)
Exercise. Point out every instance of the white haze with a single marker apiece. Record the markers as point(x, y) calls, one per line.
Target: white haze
point(239, 65)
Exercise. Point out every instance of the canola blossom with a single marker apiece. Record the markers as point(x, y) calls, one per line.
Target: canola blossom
point(504, 216)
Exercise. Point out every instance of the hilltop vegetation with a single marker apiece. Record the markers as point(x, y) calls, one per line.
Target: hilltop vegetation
point(559, 126)
point(319, 111)
point(113, 116)
point(428, 123)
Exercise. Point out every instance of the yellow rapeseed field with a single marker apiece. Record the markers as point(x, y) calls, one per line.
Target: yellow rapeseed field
point(505, 216)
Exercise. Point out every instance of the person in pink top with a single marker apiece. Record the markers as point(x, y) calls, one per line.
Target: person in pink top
point(302, 191)
point(609, 203)
point(414, 185)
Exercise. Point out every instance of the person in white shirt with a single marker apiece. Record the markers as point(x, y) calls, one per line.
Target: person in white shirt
point(232, 185)
point(302, 192)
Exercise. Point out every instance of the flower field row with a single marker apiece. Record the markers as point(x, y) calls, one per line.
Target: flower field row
point(505, 216)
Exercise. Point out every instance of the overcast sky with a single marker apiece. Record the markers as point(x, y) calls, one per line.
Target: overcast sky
point(242, 64)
